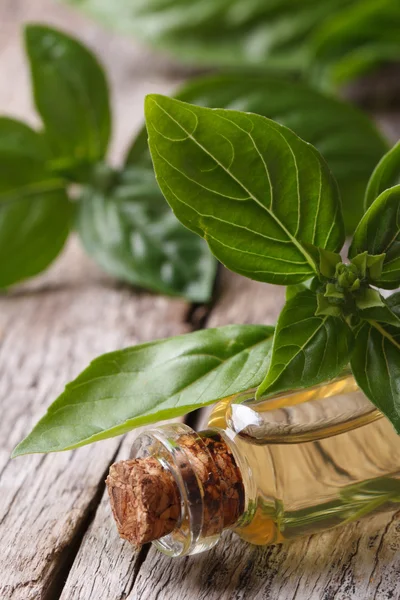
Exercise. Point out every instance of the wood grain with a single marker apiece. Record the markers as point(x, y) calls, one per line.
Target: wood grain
point(356, 562)
point(49, 332)
point(105, 566)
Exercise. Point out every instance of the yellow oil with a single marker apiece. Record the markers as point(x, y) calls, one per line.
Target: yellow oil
point(311, 460)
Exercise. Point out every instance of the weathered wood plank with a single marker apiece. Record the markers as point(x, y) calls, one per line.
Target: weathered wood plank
point(358, 562)
point(241, 300)
point(105, 566)
point(49, 332)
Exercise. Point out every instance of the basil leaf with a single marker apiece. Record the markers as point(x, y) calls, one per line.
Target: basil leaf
point(393, 302)
point(153, 381)
point(379, 232)
point(375, 365)
point(35, 214)
point(34, 225)
point(132, 234)
point(71, 96)
point(293, 290)
point(220, 32)
point(381, 314)
point(368, 298)
point(307, 349)
point(249, 186)
point(352, 41)
point(326, 308)
point(385, 175)
point(372, 305)
point(346, 138)
point(23, 155)
point(325, 260)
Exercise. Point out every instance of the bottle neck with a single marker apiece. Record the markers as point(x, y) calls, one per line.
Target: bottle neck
point(179, 486)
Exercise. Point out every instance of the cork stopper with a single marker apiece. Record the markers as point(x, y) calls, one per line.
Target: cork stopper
point(146, 501)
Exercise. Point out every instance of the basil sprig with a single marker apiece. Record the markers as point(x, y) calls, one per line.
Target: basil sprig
point(268, 206)
point(257, 198)
point(53, 179)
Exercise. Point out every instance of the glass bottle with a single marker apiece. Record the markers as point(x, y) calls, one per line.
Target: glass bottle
point(300, 462)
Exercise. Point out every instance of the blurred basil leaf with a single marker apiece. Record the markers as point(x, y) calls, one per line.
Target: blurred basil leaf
point(71, 96)
point(335, 40)
point(352, 41)
point(132, 233)
point(34, 225)
point(263, 33)
point(35, 214)
point(346, 137)
point(23, 155)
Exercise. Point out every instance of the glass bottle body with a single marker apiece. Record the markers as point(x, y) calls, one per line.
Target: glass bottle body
point(309, 460)
point(315, 459)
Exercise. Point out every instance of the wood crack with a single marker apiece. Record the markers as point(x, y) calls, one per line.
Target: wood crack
point(378, 551)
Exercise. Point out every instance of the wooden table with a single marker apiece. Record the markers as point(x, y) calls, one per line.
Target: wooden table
point(57, 536)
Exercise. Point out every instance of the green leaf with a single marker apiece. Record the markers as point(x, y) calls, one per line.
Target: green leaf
point(347, 37)
point(386, 174)
point(375, 364)
point(387, 311)
point(35, 214)
point(356, 39)
point(34, 226)
point(332, 292)
point(393, 302)
point(375, 265)
point(71, 96)
point(249, 186)
point(23, 156)
point(293, 290)
point(271, 34)
point(369, 265)
point(132, 234)
point(346, 138)
point(360, 262)
point(307, 349)
point(381, 314)
point(378, 233)
point(326, 307)
point(325, 260)
point(369, 298)
point(328, 261)
point(153, 381)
